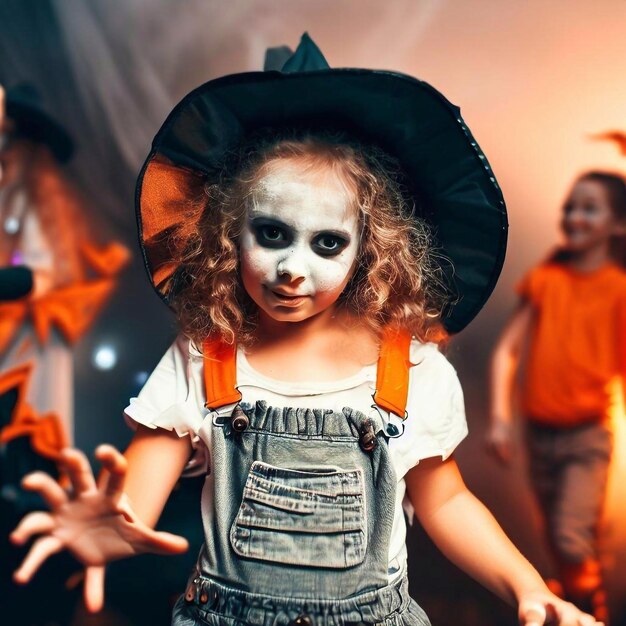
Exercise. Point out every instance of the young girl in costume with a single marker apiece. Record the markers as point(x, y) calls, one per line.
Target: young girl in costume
point(573, 311)
point(304, 386)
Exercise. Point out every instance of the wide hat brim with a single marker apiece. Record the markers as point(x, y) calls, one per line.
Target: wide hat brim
point(457, 190)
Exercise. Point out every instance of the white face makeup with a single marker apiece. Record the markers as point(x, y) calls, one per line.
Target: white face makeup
point(299, 243)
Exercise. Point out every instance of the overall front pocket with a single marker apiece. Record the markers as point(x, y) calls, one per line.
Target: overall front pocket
point(308, 517)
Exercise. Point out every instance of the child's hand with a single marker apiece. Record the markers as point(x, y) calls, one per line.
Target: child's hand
point(499, 440)
point(543, 607)
point(95, 522)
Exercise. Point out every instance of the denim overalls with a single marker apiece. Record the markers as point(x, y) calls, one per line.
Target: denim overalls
point(302, 505)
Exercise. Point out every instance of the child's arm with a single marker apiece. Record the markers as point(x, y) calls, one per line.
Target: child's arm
point(504, 364)
point(470, 537)
point(109, 520)
point(156, 459)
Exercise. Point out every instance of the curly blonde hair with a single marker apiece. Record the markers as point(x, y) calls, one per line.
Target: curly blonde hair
point(397, 280)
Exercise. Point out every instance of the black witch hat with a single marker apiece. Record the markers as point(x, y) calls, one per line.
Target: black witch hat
point(447, 171)
point(25, 107)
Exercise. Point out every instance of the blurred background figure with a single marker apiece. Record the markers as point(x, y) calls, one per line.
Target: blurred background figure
point(46, 229)
point(54, 279)
point(572, 315)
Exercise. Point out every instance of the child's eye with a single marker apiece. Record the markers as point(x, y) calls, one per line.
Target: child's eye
point(270, 236)
point(329, 244)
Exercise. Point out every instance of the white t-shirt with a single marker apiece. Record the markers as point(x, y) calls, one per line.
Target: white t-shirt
point(174, 398)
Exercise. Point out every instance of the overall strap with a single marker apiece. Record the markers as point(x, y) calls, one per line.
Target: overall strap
point(392, 374)
point(220, 373)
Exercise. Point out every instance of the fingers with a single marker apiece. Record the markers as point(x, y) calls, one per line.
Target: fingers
point(78, 469)
point(500, 447)
point(47, 488)
point(164, 543)
point(94, 588)
point(41, 550)
point(584, 619)
point(32, 524)
point(114, 474)
point(532, 614)
point(567, 614)
point(494, 451)
point(503, 452)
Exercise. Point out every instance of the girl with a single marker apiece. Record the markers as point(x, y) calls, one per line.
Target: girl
point(305, 377)
point(573, 310)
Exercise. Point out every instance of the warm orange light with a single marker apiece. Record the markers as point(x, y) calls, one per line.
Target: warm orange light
point(615, 510)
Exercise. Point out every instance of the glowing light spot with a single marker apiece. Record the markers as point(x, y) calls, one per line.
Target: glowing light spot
point(141, 378)
point(105, 358)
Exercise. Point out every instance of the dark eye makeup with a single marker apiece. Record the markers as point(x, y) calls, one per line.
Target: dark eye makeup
point(271, 233)
point(329, 244)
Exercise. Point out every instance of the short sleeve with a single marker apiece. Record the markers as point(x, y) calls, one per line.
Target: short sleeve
point(531, 286)
point(168, 400)
point(436, 422)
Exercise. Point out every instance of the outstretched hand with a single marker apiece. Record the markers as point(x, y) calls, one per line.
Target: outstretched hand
point(544, 608)
point(95, 522)
point(499, 441)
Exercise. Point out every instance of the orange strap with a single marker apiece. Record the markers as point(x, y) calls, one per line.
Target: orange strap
point(392, 376)
point(220, 373)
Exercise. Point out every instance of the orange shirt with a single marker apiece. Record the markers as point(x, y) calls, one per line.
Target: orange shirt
point(578, 342)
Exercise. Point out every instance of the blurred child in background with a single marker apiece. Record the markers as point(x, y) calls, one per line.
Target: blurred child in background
point(46, 233)
point(572, 311)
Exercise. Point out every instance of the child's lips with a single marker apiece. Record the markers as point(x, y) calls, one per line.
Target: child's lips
point(290, 300)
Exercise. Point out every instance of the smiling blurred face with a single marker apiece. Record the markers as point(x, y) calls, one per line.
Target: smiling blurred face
point(299, 243)
point(588, 220)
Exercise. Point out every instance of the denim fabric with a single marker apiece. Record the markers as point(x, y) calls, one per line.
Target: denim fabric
point(210, 603)
point(297, 521)
point(313, 518)
point(298, 507)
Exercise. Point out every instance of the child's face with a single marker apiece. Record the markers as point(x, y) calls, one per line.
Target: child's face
point(588, 220)
point(299, 242)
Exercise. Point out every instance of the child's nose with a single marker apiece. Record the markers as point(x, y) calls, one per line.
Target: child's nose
point(574, 217)
point(292, 267)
